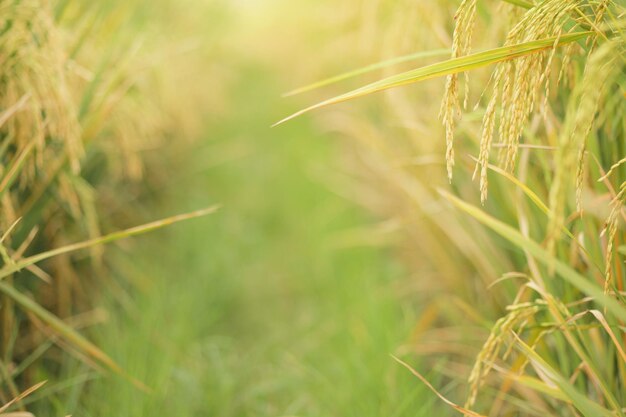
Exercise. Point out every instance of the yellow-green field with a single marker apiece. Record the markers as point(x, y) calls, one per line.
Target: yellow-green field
point(185, 232)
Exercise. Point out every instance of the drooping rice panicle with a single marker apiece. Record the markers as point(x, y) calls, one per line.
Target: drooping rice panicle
point(490, 351)
point(612, 225)
point(517, 83)
point(33, 64)
point(461, 45)
point(601, 68)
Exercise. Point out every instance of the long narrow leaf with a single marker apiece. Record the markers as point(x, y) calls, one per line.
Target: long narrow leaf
point(11, 175)
point(526, 189)
point(451, 66)
point(67, 333)
point(538, 202)
point(587, 407)
point(519, 240)
point(369, 68)
point(22, 395)
point(133, 231)
point(457, 407)
point(59, 326)
point(521, 3)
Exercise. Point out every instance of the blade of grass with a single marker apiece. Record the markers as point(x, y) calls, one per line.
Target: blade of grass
point(520, 3)
point(133, 231)
point(437, 393)
point(368, 68)
point(581, 402)
point(451, 66)
point(22, 396)
point(519, 240)
point(600, 317)
point(11, 174)
point(65, 331)
point(529, 193)
point(538, 202)
point(8, 113)
point(7, 378)
point(538, 385)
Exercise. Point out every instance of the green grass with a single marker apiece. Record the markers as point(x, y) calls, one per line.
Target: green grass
point(257, 310)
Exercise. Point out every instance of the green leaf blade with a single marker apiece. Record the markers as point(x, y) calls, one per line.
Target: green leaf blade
point(451, 66)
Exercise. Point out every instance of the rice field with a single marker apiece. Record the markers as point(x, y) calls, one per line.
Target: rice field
point(353, 208)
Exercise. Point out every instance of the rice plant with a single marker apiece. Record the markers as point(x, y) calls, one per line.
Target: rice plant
point(493, 157)
point(556, 94)
point(66, 114)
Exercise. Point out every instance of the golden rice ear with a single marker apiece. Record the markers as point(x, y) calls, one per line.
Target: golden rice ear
point(34, 65)
point(516, 82)
point(600, 69)
point(612, 224)
point(461, 45)
point(489, 122)
point(515, 320)
point(525, 75)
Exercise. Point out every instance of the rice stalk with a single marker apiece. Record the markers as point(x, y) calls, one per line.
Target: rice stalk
point(600, 70)
point(611, 227)
point(565, 99)
point(78, 95)
point(541, 254)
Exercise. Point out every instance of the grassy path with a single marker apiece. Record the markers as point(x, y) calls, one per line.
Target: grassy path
point(254, 311)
